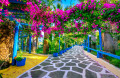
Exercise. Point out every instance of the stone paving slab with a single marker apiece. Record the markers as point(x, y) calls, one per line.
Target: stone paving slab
point(72, 64)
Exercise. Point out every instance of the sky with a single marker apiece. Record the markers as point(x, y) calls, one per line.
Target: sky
point(66, 3)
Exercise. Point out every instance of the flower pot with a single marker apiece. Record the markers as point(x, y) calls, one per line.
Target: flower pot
point(21, 63)
point(63, 51)
point(60, 53)
point(55, 54)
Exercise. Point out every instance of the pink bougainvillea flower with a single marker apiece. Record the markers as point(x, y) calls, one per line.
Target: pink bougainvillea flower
point(1, 20)
point(117, 27)
point(107, 5)
point(118, 11)
point(19, 20)
point(0, 9)
point(83, 7)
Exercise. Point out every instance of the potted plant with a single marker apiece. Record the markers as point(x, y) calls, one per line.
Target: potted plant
point(55, 54)
point(55, 51)
point(54, 46)
point(20, 61)
point(64, 50)
point(60, 52)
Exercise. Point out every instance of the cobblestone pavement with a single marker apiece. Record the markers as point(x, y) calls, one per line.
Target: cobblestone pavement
point(72, 64)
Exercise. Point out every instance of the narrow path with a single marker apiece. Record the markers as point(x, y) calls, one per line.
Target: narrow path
point(72, 64)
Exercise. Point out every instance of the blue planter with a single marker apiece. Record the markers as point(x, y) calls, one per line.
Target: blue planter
point(55, 54)
point(61, 52)
point(65, 50)
point(21, 63)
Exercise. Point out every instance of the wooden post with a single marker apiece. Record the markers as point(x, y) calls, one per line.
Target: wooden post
point(88, 45)
point(99, 55)
point(15, 44)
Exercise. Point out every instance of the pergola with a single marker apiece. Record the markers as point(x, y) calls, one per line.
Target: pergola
point(18, 24)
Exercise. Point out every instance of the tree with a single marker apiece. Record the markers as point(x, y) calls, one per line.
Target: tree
point(6, 39)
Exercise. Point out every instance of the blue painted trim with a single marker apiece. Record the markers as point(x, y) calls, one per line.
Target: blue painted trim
point(100, 39)
point(16, 16)
point(10, 17)
point(15, 44)
point(15, 10)
point(30, 37)
point(88, 45)
point(15, 1)
point(99, 55)
point(108, 54)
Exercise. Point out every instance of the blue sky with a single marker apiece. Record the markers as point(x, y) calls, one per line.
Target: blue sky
point(67, 3)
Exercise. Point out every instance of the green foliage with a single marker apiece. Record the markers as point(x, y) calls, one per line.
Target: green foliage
point(118, 52)
point(94, 53)
point(115, 62)
point(54, 45)
point(59, 6)
point(21, 53)
point(19, 58)
point(118, 44)
point(108, 58)
point(69, 41)
point(39, 50)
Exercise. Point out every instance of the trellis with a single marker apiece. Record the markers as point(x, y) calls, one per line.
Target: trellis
point(18, 24)
point(99, 53)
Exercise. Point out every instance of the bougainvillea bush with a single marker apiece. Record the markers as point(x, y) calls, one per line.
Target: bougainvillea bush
point(92, 15)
